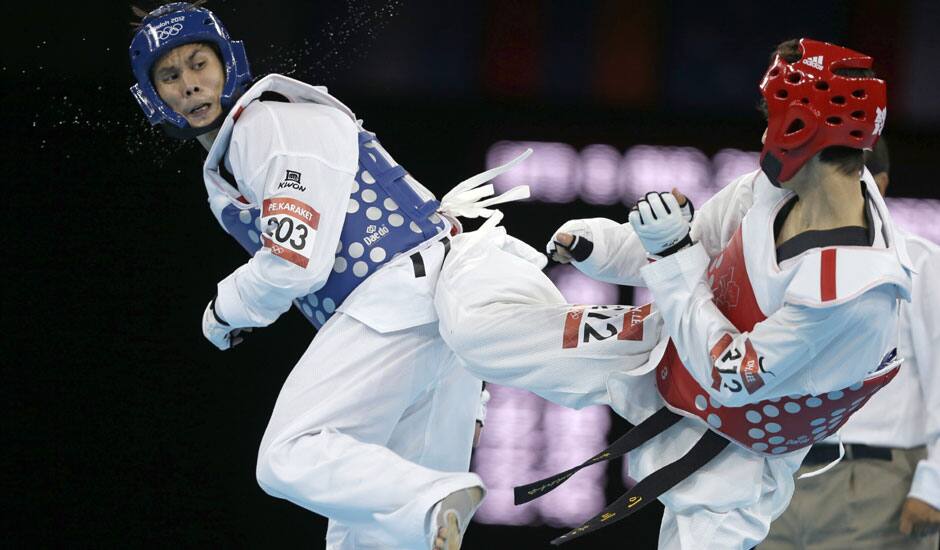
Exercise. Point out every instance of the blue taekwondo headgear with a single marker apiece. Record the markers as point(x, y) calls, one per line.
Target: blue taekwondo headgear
point(173, 25)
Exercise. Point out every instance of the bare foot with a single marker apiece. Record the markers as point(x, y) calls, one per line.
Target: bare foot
point(561, 254)
point(455, 512)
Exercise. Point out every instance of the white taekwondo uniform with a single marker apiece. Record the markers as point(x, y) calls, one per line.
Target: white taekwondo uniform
point(899, 427)
point(511, 326)
point(907, 412)
point(375, 423)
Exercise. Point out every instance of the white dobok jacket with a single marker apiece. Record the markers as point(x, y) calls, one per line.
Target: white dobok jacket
point(816, 339)
point(907, 412)
point(317, 140)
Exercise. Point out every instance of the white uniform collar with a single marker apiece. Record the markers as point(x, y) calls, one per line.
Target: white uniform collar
point(294, 90)
point(894, 239)
point(766, 191)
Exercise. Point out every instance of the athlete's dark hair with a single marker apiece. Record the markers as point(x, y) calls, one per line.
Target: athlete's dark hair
point(847, 160)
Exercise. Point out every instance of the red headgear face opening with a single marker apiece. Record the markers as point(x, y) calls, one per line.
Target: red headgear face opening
point(810, 107)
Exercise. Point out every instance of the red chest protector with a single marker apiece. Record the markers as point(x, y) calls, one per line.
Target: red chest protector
point(771, 427)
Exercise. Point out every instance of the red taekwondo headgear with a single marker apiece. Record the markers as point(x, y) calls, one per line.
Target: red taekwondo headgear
point(810, 107)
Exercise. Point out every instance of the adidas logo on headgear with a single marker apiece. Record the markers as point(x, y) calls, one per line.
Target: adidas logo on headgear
point(815, 62)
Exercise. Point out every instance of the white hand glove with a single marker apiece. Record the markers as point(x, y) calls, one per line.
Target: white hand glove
point(661, 224)
point(578, 249)
point(218, 331)
point(688, 210)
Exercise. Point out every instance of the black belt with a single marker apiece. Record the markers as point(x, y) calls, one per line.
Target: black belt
point(826, 453)
point(417, 261)
point(644, 492)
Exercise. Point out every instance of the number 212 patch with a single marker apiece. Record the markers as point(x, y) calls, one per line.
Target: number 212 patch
point(290, 227)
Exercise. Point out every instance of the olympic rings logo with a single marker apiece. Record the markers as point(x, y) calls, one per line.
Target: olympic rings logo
point(168, 31)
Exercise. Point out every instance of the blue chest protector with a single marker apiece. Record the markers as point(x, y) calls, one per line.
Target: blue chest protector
point(384, 218)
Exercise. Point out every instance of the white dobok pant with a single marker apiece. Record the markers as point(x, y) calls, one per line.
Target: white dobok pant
point(511, 326)
point(371, 430)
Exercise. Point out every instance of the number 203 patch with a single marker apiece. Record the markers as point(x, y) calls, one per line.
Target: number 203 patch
point(290, 227)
